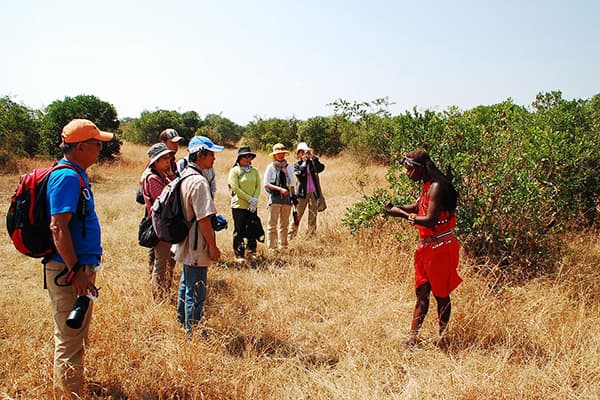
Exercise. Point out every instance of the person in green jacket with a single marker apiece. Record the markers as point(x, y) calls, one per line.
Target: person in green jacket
point(244, 182)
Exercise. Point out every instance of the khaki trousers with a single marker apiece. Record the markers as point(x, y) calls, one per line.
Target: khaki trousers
point(277, 227)
point(162, 271)
point(310, 202)
point(69, 344)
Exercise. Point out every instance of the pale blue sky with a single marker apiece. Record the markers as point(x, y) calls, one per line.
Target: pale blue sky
point(290, 58)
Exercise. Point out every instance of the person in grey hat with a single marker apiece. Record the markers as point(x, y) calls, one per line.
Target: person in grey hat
point(152, 186)
point(244, 182)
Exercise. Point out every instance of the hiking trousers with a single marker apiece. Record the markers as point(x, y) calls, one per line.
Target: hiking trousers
point(69, 344)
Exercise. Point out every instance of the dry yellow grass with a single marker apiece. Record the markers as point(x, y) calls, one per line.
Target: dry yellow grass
point(325, 321)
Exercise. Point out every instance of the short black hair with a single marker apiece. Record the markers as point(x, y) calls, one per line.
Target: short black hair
point(194, 156)
point(67, 147)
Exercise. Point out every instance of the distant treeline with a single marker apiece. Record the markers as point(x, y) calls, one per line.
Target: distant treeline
point(525, 175)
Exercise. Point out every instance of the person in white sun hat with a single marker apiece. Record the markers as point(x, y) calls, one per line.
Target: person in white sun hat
point(308, 187)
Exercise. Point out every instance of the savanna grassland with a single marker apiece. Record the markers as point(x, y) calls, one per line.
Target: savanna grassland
point(326, 320)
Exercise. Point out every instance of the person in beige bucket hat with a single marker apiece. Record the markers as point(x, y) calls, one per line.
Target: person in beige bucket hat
point(279, 184)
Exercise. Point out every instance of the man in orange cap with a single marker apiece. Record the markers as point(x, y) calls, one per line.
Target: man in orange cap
point(71, 271)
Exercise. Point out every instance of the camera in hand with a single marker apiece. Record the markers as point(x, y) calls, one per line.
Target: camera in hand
point(75, 318)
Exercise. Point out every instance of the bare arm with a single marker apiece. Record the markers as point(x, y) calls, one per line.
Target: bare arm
point(59, 226)
point(433, 212)
point(209, 236)
point(401, 211)
point(435, 206)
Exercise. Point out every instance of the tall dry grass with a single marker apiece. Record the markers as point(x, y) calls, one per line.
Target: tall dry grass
point(324, 321)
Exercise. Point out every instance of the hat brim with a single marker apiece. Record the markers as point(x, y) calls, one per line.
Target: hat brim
point(198, 147)
point(159, 155)
point(175, 139)
point(273, 154)
point(104, 136)
point(240, 155)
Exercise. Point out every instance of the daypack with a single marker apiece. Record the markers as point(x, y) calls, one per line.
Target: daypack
point(168, 219)
point(27, 217)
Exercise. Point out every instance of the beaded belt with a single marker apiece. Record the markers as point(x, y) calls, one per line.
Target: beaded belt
point(433, 238)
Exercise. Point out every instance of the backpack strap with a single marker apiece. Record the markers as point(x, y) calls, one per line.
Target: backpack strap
point(83, 194)
point(184, 175)
point(146, 191)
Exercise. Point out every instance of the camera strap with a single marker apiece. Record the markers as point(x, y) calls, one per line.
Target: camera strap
point(64, 272)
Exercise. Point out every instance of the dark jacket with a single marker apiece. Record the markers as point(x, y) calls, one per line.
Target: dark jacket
point(316, 167)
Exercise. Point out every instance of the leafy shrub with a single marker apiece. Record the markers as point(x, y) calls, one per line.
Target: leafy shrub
point(321, 134)
point(147, 128)
point(221, 130)
point(262, 134)
point(59, 113)
point(523, 177)
point(19, 129)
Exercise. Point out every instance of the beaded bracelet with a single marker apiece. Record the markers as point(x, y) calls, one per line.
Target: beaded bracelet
point(411, 218)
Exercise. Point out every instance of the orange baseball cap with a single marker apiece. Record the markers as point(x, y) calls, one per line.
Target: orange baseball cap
point(80, 130)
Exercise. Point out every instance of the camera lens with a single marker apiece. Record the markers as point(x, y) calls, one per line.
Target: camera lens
point(77, 315)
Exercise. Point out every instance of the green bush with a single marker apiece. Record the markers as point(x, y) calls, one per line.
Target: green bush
point(147, 128)
point(320, 133)
point(262, 134)
point(60, 112)
point(221, 130)
point(19, 129)
point(524, 177)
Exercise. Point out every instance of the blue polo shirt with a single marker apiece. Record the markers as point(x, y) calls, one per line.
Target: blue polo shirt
point(62, 196)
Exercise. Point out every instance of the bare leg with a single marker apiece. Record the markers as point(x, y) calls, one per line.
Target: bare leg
point(444, 308)
point(421, 309)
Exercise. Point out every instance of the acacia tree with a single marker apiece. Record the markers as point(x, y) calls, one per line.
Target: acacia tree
point(60, 112)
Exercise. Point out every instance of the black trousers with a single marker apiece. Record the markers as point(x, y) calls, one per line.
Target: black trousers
point(239, 223)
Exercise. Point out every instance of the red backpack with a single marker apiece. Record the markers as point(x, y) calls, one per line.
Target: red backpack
point(27, 217)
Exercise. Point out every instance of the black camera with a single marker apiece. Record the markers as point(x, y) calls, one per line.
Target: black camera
point(75, 318)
